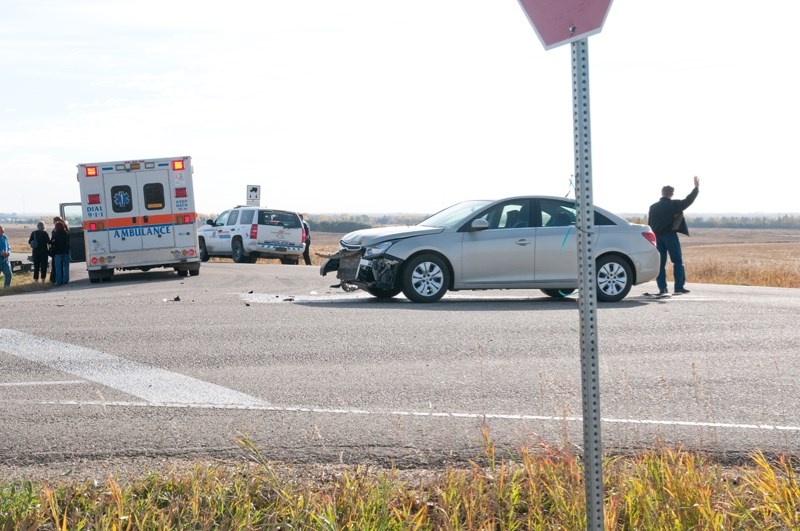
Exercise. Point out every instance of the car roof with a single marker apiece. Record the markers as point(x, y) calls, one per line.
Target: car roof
point(265, 209)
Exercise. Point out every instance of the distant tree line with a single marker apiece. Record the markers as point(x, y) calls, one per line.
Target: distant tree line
point(783, 221)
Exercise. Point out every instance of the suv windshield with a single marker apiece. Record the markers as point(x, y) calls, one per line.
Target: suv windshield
point(454, 215)
point(288, 220)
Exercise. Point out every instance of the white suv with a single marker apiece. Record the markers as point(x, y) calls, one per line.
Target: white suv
point(248, 233)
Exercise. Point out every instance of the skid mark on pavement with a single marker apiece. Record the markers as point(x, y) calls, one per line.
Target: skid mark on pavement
point(143, 381)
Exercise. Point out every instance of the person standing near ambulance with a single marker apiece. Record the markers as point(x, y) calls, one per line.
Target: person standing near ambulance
point(60, 250)
point(52, 235)
point(666, 220)
point(40, 249)
point(5, 261)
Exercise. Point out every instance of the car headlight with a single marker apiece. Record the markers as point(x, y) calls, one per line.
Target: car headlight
point(376, 250)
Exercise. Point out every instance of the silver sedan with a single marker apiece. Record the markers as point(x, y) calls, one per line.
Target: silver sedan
point(512, 243)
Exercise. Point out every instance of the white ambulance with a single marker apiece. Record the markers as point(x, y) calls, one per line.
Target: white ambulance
point(134, 214)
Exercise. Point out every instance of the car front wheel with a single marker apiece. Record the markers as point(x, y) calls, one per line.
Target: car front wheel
point(425, 278)
point(383, 293)
point(614, 278)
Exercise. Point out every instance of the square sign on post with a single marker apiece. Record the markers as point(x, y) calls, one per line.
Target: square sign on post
point(253, 195)
point(558, 22)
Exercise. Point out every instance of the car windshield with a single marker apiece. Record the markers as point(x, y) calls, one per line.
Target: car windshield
point(455, 215)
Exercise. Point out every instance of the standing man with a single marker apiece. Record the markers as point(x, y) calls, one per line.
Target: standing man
point(5, 261)
point(307, 231)
point(666, 219)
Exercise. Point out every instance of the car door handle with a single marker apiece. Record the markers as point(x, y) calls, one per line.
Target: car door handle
point(523, 242)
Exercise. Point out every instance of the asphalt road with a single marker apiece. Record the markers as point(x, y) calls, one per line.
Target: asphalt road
point(153, 365)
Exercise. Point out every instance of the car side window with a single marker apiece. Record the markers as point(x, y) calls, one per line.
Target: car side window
point(222, 219)
point(510, 215)
point(557, 213)
point(247, 217)
point(233, 217)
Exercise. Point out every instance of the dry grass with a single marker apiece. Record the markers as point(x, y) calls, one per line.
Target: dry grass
point(744, 264)
point(542, 489)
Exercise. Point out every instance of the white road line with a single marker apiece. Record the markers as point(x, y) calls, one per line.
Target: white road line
point(54, 382)
point(431, 414)
point(148, 383)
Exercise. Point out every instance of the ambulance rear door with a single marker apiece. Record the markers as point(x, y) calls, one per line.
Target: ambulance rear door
point(140, 215)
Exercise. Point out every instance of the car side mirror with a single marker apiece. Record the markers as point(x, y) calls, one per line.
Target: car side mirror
point(210, 222)
point(478, 224)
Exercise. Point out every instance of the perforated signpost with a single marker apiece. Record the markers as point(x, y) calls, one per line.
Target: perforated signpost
point(558, 22)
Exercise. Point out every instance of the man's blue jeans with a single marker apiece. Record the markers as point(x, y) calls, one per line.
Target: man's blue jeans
point(669, 244)
point(5, 267)
point(61, 269)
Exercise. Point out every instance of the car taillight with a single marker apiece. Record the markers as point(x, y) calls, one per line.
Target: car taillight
point(649, 236)
point(303, 237)
point(180, 192)
point(94, 199)
point(254, 231)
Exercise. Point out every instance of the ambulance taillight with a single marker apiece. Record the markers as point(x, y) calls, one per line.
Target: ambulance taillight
point(93, 199)
point(180, 192)
point(254, 231)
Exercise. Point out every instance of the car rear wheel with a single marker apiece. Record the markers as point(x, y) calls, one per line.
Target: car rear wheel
point(237, 252)
point(203, 250)
point(558, 293)
point(614, 278)
point(425, 278)
point(383, 293)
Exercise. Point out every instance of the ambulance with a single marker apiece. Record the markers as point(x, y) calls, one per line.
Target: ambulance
point(134, 215)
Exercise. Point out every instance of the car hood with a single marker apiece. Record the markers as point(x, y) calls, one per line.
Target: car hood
point(366, 237)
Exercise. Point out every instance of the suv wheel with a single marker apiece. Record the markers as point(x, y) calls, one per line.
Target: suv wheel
point(237, 252)
point(203, 250)
point(425, 278)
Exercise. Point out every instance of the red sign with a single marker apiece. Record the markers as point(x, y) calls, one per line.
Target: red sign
point(558, 22)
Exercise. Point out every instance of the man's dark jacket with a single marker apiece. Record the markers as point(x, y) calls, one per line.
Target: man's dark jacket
point(667, 214)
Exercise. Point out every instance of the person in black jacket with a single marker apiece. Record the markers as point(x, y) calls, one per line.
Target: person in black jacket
point(40, 249)
point(52, 239)
point(60, 250)
point(666, 219)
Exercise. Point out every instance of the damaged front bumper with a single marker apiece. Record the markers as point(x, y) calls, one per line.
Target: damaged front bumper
point(354, 272)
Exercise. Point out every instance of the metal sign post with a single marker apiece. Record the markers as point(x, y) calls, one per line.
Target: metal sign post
point(558, 22)
point(587, 295)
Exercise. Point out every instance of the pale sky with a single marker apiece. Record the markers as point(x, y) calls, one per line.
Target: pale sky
point(370, 106)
